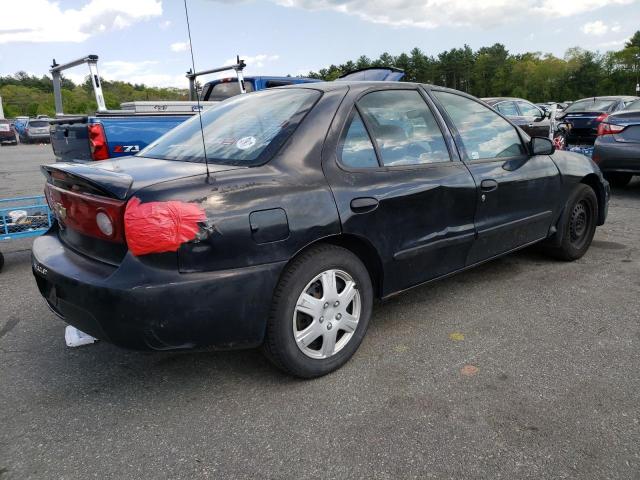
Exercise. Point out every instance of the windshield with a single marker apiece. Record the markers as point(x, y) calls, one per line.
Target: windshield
point(244, 130)
point(223, 90)
point(590, 105)
point(633, 105)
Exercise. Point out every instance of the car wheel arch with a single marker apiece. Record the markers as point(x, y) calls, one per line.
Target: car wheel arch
point(360, 247)
point(594, 182)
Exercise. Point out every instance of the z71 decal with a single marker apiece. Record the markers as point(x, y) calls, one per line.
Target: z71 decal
point(126, 149)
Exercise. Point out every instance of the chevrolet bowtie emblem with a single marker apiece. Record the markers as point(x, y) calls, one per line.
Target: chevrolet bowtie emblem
point(60, 211)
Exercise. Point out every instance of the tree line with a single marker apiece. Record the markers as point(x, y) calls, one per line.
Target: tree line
point(487, 72)
point(494, 72)
point(24, 94)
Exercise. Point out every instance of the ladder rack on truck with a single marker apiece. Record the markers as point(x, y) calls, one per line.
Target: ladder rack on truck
point(115, 133)
point(143, 107)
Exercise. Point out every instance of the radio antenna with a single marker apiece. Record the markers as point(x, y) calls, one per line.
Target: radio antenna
point(193, 66)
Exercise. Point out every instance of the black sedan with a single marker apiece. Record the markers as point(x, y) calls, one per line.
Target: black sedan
point(279, 222)
point(584, 116)
point(531, 118)
point(617, 148)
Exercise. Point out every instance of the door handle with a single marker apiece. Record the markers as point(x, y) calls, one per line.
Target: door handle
point(364, 204)
point(488, 185)
point(531, 125)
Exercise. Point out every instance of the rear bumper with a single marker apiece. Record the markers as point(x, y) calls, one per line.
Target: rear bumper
point(140, 307)
point(38, 138)
point(8, 137)
point(613, 156)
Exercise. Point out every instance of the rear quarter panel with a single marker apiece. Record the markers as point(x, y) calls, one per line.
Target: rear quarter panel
point(291, 186)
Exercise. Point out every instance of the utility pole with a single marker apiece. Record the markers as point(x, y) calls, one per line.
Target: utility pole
point(637, 73)
point(1, 111)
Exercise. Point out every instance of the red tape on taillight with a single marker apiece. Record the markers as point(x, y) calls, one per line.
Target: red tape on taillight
point(97, 142)
point(157, 227)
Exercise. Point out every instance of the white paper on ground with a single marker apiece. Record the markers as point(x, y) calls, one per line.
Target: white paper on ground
point(77, 338)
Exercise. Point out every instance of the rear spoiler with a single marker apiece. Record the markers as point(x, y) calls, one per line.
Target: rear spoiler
point(91, 179)
point(378, 74)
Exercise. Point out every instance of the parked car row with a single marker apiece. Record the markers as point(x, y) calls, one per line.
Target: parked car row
point(28, 130)
point(607, 129)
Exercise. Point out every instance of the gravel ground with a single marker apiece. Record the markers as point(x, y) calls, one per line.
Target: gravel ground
point(524, 367)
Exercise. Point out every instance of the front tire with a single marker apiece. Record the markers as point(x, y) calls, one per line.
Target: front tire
point(578, 224)
point(320, 313)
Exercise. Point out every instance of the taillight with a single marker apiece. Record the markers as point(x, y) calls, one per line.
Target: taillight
point(609, 129)
point(602, 117)
point(91, 215)
point(98, 142)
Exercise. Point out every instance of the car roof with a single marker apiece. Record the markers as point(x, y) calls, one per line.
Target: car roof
point(492, 100)
point(265, 77)
point(609, 97)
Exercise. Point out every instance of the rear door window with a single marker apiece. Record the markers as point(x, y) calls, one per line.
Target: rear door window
point(357, 149)
point(485, 135)
point(404, 128)
point(528, 110)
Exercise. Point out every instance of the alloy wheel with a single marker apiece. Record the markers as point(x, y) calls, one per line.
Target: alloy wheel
point(326, 314)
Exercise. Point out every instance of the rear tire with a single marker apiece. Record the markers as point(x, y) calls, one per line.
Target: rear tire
point(310, 332)
point(618, 179)
point(578, 224)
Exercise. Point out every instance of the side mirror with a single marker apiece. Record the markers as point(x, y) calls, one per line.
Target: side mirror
point(541, 146)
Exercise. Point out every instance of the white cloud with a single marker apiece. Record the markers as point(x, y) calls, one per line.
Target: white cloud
point(616, 28)
point(597, 28)
point(613, 43)
point(165, 24)
point(255, 61)
point(149, 72)
point(438, 13)
point(46, 21)
point(179, 47)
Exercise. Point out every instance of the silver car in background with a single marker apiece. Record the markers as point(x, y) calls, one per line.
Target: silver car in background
point(36, 130)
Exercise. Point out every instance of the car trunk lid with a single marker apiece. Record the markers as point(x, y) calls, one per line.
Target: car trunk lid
point(77, 193)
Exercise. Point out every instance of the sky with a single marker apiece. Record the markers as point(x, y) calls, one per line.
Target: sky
point(146, 41)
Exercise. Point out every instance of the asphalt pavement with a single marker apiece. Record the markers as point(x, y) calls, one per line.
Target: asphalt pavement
point(525, 367)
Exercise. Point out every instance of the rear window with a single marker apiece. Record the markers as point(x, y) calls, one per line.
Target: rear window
point(245, 130)
point(633, 105)
point(590, 105)
point(38, 123)
point(223, 90)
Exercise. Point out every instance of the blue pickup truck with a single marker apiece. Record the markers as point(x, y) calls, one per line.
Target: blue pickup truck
point(116, 133)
